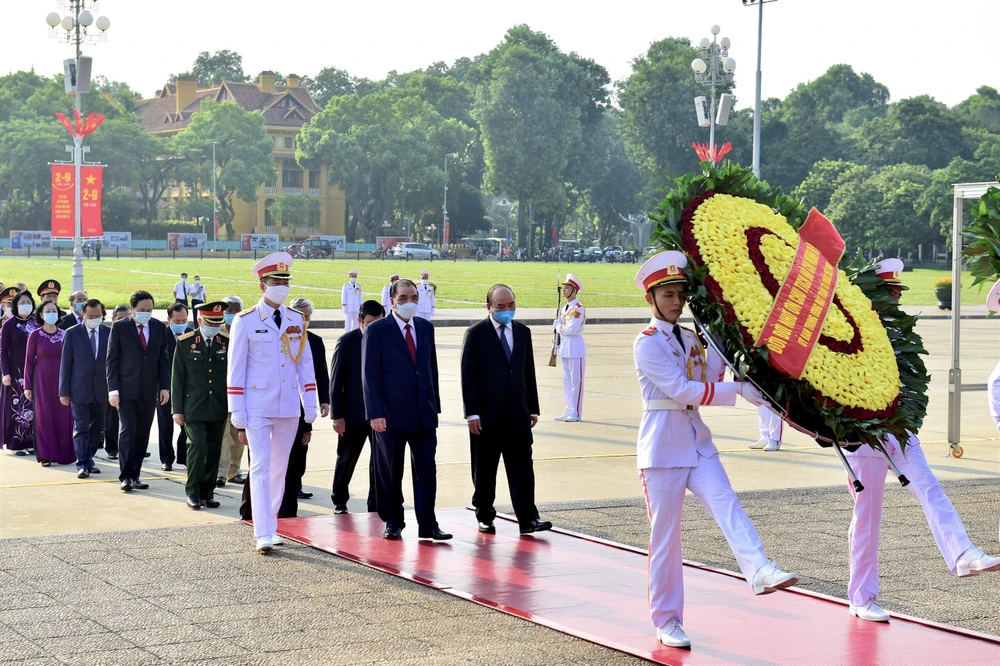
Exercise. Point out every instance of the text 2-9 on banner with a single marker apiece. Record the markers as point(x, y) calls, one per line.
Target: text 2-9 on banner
point(64, 204)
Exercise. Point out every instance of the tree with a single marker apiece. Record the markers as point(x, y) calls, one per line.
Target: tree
point(330, 82)
point(222, 65)
point(292, 210)
point(824, 179)
point(26, 148)
point(980, 110)
point(243, 155)
point(917, 130)
point(615, 183)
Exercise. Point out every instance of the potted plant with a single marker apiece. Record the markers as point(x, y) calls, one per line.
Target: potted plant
point(942, 291)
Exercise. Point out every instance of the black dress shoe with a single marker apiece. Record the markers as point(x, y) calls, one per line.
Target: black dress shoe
point(303, 495)
point(340, 509)
point(167, 467)
point(127, 485)
point(21, 453)
point(139, 485)
point(220, 482)
point(488, 528)
point(112, 456)
point(536, 525)
point(392, 534)
point(82, 474)
point(94, 470)
point(194, 503)
point(146, 454)
point(211, 503)
point(239, 478)
point(433, 533)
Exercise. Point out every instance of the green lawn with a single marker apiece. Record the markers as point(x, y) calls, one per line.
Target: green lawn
point(460, 285)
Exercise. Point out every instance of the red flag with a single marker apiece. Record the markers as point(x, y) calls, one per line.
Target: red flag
point(92, 181)
point(62, 201)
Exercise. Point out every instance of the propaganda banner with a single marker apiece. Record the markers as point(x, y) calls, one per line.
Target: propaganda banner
point(803, 301)
point(33, 240)
point(63, 204)
point(259, 242)
point(447, 231)
point(92, 178)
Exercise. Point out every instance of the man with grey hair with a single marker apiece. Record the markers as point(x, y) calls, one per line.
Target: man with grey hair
point(75, 314)
point(232, 450)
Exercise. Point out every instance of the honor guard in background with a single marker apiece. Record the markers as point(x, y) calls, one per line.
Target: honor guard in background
point(350, 301)
point(425, 296)
point(771, 428)
point(386, 302)
point(270, 382)
point(198, 401)
point(572, 348)
point(675, 449)
point(962, 557)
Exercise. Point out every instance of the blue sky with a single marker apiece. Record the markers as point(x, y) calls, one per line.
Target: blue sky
point(908, 45)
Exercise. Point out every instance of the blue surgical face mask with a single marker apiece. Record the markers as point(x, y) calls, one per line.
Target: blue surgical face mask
point(50, 317)
point(230, 316)
point(503, 316)
point(406, 311)
point(178, 328)
point(79, 306)
point(143, 317)
point(210, 331)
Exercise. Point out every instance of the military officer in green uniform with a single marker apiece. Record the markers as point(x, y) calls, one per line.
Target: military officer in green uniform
point(199, 390)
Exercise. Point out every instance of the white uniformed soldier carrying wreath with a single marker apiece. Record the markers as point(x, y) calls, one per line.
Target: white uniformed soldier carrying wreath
point(675, 449)
point(270, 372)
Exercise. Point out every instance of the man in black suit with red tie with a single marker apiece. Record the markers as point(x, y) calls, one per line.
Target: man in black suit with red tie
point(402, 402)
point(138, 380)
point(501, 406)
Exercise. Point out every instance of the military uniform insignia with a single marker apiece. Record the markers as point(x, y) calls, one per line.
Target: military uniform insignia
point(649, 330)
point(247, 311)
point(186, 335)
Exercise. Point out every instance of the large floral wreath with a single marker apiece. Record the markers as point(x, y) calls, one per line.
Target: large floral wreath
point(864, 378)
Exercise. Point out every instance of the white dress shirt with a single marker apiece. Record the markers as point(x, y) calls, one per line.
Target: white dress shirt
point(402, 323)
point(507, 333)
point(181, 290)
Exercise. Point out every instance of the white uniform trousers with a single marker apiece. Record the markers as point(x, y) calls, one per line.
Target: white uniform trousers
point(350, 321)
point(770, 424)
point(664, 490)
point(946, 526)
point(270, 441)
point(573, 370)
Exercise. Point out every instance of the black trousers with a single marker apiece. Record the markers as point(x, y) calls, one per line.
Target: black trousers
point(136, 421)
point(349, 448)
point(204, 449)
point(111, 430)
point(515, 448)
point(165, 424)
point(390, 448)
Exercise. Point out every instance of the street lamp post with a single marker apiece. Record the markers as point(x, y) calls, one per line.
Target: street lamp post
point(714, 51)
point(215, 198)
point(756, 105)
point(444, 206)
point(76, 26)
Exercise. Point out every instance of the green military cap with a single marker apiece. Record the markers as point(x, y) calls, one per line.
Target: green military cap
point(8, 294)
point(49, 287)
point(214, 312)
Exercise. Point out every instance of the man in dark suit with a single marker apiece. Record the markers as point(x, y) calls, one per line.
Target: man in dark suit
point(347, 408)
point(138, 380)
point(177, 322)
point(75, 314)
point(83, 383)
point(111, 424)
point(402, 401)
point(501, 407)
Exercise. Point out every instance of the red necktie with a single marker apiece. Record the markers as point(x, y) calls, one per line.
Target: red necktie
point(142, 338)
point(411, 344)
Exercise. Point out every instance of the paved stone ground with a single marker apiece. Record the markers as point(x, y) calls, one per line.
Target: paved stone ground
point(805, 530)
point(200, 595)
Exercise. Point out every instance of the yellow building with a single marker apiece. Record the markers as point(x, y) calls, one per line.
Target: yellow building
point(285, 109)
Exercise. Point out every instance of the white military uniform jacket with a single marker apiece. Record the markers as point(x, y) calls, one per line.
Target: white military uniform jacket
point(993, 394)
point(270, 371)
point(674, 381)
point(569, 326)
point(425, 302)
point(350, 298)
point(385, 297)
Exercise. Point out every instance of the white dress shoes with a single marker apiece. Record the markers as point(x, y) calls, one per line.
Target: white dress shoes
point(974, 562)
point(871, 611)
point(264, 545)
point(571, 419)
point(561, 417)
point(276, 540)
point(759, 444)
point(772, 446)
point(769, 578)
point(672, 635)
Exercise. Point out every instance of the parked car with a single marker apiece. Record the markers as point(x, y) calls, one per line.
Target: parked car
point(311, 249)
point(415, 251)
point(650, 249)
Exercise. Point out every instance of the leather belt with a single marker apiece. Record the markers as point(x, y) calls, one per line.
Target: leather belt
point(666, 405)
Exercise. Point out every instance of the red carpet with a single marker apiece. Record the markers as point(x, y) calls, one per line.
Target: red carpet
point(597, 591)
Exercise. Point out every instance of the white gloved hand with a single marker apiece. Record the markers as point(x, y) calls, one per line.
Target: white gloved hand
point(310, 414)
point(239, 420)
point(751, 394)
